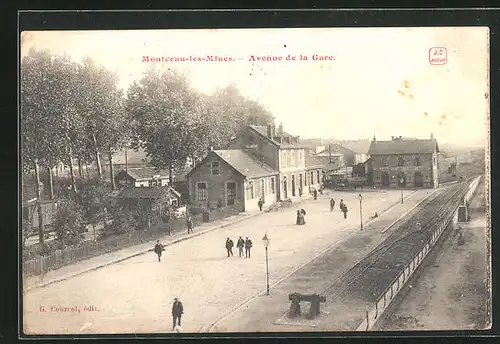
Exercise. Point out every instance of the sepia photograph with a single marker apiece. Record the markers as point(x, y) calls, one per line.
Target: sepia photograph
point(255, 180)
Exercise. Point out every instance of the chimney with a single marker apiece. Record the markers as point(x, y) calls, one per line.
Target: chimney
point(432, 136)
point(392, 137)
point(210, 148)
point(280, 129)
point(374, 139)
point(400, 137)
point(270, 131)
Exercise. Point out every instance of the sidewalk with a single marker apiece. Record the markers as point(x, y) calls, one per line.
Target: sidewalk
point(106, 259)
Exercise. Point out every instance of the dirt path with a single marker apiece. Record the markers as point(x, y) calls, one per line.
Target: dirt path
point(453, 293)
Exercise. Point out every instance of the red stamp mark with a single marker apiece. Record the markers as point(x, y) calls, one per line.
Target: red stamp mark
point(438, 56)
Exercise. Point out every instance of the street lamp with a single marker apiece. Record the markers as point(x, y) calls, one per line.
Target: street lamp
point(361, 209)
point(401, 182)
point(265, 241)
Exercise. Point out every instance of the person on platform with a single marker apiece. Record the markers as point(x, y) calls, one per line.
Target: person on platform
point(297, 222)
point(229, 247)
point(260, 203)
point(240, 244)
point(302, 219)
point(332, 204)
point(248, 246)
point(177, 311)
point(315, 194)
point(159, 249)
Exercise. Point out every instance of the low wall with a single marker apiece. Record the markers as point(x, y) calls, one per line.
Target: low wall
point(389, 294)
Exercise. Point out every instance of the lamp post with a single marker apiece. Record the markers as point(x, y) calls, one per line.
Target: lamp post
point(361, 210)
point(401, 180)
point(265, 241)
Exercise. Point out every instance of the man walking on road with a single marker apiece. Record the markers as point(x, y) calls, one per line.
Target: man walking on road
point(332, 204)
point(240, 244)
point(159, 249)
point(177, 311)
point(248, 246)
point(229, 247)
point(344, 210)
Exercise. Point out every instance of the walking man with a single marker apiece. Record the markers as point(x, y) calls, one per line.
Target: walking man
point(190, 224)
point(344, 210)
point(248, 246)
point(240, 244)
point(332, 204)
point(177, 311)
point(229, 247)
point(260, 203)
point(159, 249)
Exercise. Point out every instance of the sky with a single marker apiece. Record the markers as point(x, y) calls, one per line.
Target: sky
point(380, 82)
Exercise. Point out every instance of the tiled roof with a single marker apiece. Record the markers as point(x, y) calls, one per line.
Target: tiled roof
point(145, 192)
point(401, 146)
point(244, 163)
point(260, 128)
point(146, 172)
point(312, 161)
point(357, 146)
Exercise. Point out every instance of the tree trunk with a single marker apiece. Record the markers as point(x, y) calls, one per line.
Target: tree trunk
point(170, 177)
point(51, 183)
point(97, 158)
point(41, 228)
point(87, 170)
point(112, 172)
point(80, 172)
point(72, 171)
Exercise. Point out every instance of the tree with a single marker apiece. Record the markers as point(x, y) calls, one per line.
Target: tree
point(168, 117)
point(99, 101)
point(123, 222)
point(69, 223)
point(94, 200)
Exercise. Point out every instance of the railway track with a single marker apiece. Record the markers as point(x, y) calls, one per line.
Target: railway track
point(393, 250)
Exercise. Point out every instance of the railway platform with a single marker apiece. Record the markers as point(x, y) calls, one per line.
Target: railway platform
point(268, 313)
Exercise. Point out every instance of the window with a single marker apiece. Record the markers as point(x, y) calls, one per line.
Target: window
point(434, 160)
point(201, 191)
point(401, 161)
point(272, 185)
point(416, 161)
point(312, 178)
point(289, 159)
point(215, 168)
point(385, 161)
point(293, 161)
point(318, 177)
point(283, 159)
point(249, 190)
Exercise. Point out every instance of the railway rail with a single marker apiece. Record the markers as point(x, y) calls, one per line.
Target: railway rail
point(370, 276)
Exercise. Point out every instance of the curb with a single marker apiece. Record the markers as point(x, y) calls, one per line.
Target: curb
point(175, 241)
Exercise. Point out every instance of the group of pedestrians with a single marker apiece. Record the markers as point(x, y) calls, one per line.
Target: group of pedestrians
point(240, 244)
point(342, 206)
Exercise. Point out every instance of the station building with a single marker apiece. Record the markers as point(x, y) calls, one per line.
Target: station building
point(404, 163)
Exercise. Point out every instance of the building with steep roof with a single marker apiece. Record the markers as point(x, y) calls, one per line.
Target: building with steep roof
point(231, 178)
point(401, 163)
point(262, 163)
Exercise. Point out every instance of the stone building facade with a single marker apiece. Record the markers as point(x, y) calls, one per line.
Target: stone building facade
point(404, 163)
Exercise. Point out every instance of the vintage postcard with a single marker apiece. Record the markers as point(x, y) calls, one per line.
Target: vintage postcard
point(255, 180)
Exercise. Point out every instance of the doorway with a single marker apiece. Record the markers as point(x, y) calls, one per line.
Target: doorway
point(293, 185)
point(285, 191)
point(419, 179)
point(231, 193)
point(386, 180)
point(263, 190)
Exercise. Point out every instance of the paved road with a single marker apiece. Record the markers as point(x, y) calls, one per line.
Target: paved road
point(135, 296)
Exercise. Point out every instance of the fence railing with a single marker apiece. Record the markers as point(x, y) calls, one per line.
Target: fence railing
point(398, 282)
point(89, 249)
